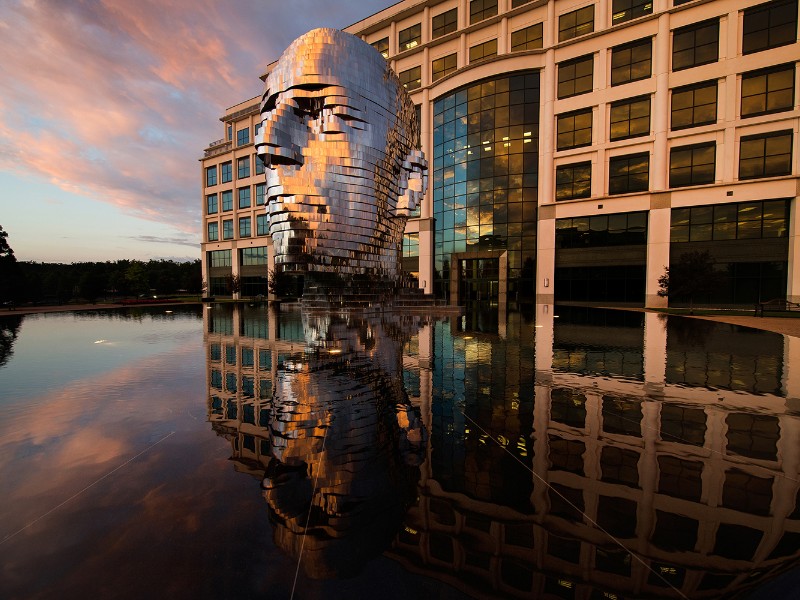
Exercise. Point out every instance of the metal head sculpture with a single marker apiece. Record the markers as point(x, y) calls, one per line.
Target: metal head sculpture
point(342, 171)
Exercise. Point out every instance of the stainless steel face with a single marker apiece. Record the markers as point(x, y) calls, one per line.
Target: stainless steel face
point(342, 171)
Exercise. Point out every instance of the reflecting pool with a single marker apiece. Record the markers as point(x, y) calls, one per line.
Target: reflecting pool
point(240, 452)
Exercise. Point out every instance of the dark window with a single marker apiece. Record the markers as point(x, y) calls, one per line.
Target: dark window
point(481, 9)
point(619, 465)
point(566, 455)
point(211, 204)
point(243, 136)
point(576, 23)
point(574, 181)
point(227, 229)
point(227, 200)
point(382, 46)
point(625, 10)
point(694, 105)
point(683, 425)
point(518, 3)
point(529, 38)
point(211, 176)
point(622, 416)
point(735, 221)
point(481, 51)
point(243, 167)
point(630, 118)
point(261, 190)
point(696, 44)
point(692, 165)
point(568, 407)
point(410, 37)
point(747, 493)
point(754, 436)
point(675, 533)
point(213, 231)
point(442, 67)
point(244, 197)
point(411, 78)
point(227, 172)
point(220, 258)
point(575, 76)
point(769, 25)
point(680, 478)
point(445, 23)
point(244, 227)
point(629, 173)
point(574, 129)
point(768, 91)
point(262, 225)
point(631, 62)
point(765, 155)
point(259, 164)
point(618, 229)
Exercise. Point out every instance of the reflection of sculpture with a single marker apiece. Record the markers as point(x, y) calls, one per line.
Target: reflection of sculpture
point(342, 172)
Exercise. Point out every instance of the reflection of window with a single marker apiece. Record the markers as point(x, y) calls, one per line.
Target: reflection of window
point(442, 67)
point(769, 25)
point(230, 355)
point(630, 118)
point(737, 541)
point(481, 9)
point(620, 465)
point(609, 560)
point(629, 173)
point(568, 407)
point(683, 425)
point(410, 37)
point(696, 44)
point(574, 181)
point(566, 502)
point(566, 455)
point(765, 155)
point(529, 38)
point(622, 416)
point(617, 516)
point(482, 51)
point(675, 533)
point(445, 23)
point(754, 436)
point(382, 46)
point(564, 548)
point(211, 176)
point(574, 129)
point(747, 493)
point(694, 105)
point(213, 231)
point(768, 91)
point(576, 23)
point(625, 10)
point(692, 165)
point(745, 220)
point(411, 78)
point(680, 478)
point(575, 76)
point(619, 229)
point(631, 62)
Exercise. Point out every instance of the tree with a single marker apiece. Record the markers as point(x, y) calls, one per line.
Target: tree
point(234, 285)
point(10, 274)
point(691, 276)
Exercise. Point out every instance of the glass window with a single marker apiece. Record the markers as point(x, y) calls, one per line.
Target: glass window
point(445, 23)
point(261, 191)
point(262, 224)
point(769, 25)
point(410, 37)
point(243, 136)
point(576, 23)
point(630, 118)
point(518, 3)
point(259, 164)
point(227, 200)
point(574, 181)
point(574, 129)
point(629, 173)
point(211, 176)
point(625, 10)
point(631, 62)
point(254, 256)
point(694, 105)
point(227, 229)
point(481, 9)
point(243, 167)
point(481, 51)
point(211, 204)
point(529, 38)
point(244, 197)
point(256, 129)
point(220, 258)
point(575, 76)
point(768, 90)
point(411, 78)
point(229, 131)
point(213, 231)
point(692, 165)
point(442, 67)
point(227, 172)
point(244, 227)
point(765, 155)
point(696, 44)
point(382, 46)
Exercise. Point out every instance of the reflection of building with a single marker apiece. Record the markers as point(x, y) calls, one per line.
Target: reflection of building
point(526, 484)
point(576, 148)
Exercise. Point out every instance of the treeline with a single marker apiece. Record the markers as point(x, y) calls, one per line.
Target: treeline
point(54, 283)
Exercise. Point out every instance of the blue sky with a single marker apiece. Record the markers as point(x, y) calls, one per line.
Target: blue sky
point(106, 106)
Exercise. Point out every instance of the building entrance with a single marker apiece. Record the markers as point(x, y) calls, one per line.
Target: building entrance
point(479, 280)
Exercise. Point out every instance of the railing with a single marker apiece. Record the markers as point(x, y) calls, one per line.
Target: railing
point(776, 305)
point(217, 148)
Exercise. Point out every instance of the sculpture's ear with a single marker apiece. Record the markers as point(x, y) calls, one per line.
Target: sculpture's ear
point(413, 183)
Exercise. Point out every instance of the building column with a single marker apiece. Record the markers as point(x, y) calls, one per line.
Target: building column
point(393, 39)
point(660, 108)
point(270, 269)
point(658, 223)
point(790, 380)
point(236, 266)
point(793, 275)
point(655, 354)
point(543, 340)
point(426, 236)
point(462, 60)
point(502, 41)
point(426, 25)
point(546, 215)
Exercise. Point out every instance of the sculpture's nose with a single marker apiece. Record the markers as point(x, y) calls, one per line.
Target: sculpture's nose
point(277, 143)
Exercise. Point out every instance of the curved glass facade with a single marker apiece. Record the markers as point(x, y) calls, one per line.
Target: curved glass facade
point(485, 175)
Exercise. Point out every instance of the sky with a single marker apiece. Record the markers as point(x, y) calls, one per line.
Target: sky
point(106, 107)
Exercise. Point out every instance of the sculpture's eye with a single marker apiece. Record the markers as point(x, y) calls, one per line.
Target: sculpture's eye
point(311, 107)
